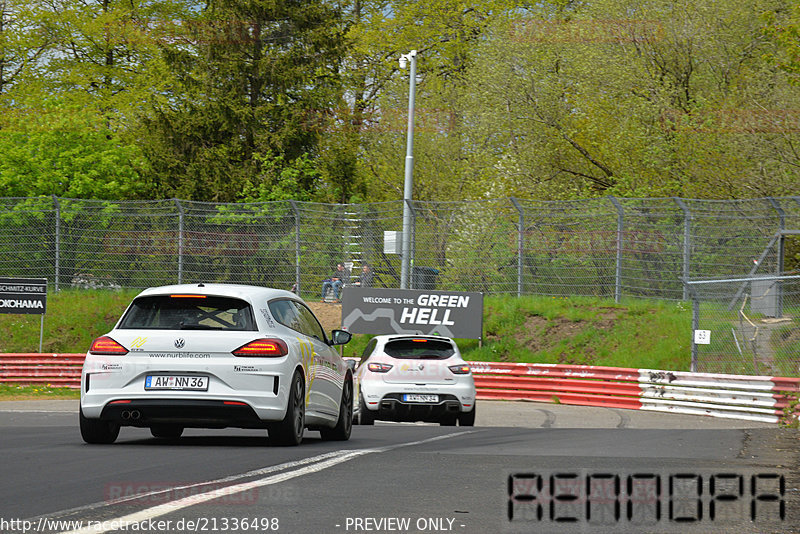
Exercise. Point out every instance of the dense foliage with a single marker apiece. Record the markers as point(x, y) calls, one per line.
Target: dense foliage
point(259, 100)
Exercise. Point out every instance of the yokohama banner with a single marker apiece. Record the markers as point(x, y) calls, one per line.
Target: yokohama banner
point(23, 295)
point(398, 311)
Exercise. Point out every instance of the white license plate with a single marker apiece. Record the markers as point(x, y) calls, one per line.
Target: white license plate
point(179, 382)
point(420, 398)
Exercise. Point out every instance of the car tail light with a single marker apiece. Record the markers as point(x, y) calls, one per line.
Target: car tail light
point(379, 367)
point(270, 348)
point(106, 346)
point(459, 369)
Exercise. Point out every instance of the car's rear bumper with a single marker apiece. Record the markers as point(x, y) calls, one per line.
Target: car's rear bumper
point(385, 400)
point(393, 408)
point(262, 389)
point(183, 412)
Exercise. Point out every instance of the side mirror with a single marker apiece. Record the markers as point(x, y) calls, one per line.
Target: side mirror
point(351, 364)
point(340, 337)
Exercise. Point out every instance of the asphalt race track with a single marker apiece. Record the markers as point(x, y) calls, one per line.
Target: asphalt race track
point(524, 467)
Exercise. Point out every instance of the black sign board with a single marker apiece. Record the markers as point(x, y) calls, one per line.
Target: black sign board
point(399, 311)
point(23, 295)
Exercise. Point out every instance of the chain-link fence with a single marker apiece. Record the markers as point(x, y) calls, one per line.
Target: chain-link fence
point(608, 247)
point(747, 325)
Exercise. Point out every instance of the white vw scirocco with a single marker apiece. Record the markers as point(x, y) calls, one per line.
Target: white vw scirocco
point(216, 356)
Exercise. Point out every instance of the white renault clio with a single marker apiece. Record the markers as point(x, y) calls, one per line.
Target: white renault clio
point(414, 378)
point(216, 356)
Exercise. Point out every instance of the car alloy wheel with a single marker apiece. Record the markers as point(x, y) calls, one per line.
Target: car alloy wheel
point(344, 425)
point(290, 430)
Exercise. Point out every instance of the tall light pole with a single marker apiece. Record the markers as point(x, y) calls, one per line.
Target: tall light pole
point(409, 179)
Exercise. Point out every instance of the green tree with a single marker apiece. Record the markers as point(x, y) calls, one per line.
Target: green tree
point(783, 29)
point(65, 150)
point(633, 98)
point(247, 81)
point(106, 53)
point(24, 40)
point(446, 34)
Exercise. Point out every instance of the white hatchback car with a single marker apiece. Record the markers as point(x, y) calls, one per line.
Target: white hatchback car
point(414, 378)
point(214, 356)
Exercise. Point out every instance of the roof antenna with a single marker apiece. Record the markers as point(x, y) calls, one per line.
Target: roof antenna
point(201, 284)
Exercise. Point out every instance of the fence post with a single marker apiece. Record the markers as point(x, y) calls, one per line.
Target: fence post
point(181, 223)
point(412, 243)
point(57, 266)
point(695, 321)
point(620, 228)
point(296, 211)
point(781, 253)
point(520, 244)
point(781, 240)
point(687, 239)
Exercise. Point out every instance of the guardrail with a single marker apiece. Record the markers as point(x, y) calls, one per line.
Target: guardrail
point(756, 398)
point(60, 370)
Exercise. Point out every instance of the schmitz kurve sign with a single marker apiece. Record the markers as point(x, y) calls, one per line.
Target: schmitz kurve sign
point(23, 295)
point(399, 311)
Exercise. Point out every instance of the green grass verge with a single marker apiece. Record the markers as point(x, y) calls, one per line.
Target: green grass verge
point(575, 330)
point(581, 331)
point(73, 319)
point(18, 392)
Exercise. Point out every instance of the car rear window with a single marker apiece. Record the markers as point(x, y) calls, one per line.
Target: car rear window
point(419, 349)
point(188, 312)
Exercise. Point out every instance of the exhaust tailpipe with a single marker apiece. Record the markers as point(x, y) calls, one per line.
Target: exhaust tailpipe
point(126, 414)
point(135, 415)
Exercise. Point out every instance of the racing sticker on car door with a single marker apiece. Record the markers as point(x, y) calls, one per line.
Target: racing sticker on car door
point(307, 359)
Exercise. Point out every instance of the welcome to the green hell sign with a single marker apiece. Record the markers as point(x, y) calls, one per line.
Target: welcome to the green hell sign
point(23, 295)
point(399, 311)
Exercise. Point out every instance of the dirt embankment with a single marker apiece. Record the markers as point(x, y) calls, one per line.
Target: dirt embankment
point(329, 314)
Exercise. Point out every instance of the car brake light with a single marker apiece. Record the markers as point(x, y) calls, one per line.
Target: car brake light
point(379, 367)
point(272, 347)
point(459, 369)
point(106, 346)
point(187, 296)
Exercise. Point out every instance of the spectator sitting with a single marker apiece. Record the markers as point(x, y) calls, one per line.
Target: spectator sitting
point(336, 281)
point(365, 278)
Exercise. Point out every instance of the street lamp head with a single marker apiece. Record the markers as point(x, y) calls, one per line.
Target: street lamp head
point(405, 58)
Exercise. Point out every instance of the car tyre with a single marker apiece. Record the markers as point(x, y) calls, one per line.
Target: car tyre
point(365, 417)
point(448, 420)
point(96, 431)
point(289, 432)
point(467, 418)
point(344, 425)
point(166, 431)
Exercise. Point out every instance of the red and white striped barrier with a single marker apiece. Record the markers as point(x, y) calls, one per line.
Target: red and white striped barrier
point(756, 398)
point(566, 384)
point(60, 370)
